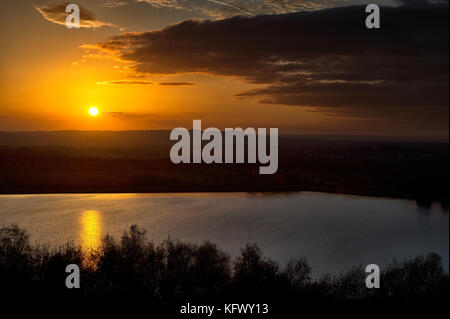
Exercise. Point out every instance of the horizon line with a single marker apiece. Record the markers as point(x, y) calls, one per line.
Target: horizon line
point(422, 137)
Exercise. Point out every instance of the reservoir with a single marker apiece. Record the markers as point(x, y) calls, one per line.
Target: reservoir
point(334, 232)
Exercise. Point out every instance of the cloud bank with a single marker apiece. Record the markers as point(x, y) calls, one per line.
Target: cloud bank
point(326, 59)
point(56, 13)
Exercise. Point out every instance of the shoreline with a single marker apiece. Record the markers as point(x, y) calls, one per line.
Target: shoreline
point(423, 202)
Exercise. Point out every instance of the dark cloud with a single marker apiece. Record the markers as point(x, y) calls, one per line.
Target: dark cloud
point(325, 58)
point(142, 82)
point(114, 113)
point(124, 82)
point(421, 2)
point(56, 13)
point(176, 83)
point(130, 115)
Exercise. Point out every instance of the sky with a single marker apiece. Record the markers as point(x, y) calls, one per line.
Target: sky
point(305, 67)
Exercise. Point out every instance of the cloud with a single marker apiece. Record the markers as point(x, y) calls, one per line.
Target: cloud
point(154, 119)
point(124, 82)
point(396, 76)
point(130, 115)
point(229, 8)
point(114, 3)
point(114, 114)
point(56, 13)
point(326, 58)
point(143, 82)
point(176, 83)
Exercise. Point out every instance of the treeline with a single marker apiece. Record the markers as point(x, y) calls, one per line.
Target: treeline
point(412, 170)
point(173, 272)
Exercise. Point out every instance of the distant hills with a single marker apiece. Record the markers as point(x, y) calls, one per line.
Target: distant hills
point(155, 138)
point(138, 161)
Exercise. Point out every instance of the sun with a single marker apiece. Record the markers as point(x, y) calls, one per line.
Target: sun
point(93, 111)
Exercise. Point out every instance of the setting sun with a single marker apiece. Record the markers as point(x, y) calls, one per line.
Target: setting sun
point(93, 111)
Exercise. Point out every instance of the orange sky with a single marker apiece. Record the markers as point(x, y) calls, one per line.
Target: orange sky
point(48, 81)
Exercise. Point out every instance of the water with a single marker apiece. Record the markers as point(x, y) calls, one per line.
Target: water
point(334, 232)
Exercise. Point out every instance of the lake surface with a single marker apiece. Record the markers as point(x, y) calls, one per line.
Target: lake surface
point(334, 232)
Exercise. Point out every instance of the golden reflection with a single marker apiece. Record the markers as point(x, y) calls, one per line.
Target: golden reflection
point(91, 241)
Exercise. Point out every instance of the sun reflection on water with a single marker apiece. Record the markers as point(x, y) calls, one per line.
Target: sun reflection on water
point(90, 235)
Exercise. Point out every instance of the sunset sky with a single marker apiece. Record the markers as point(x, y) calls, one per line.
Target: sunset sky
point(308, 67)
